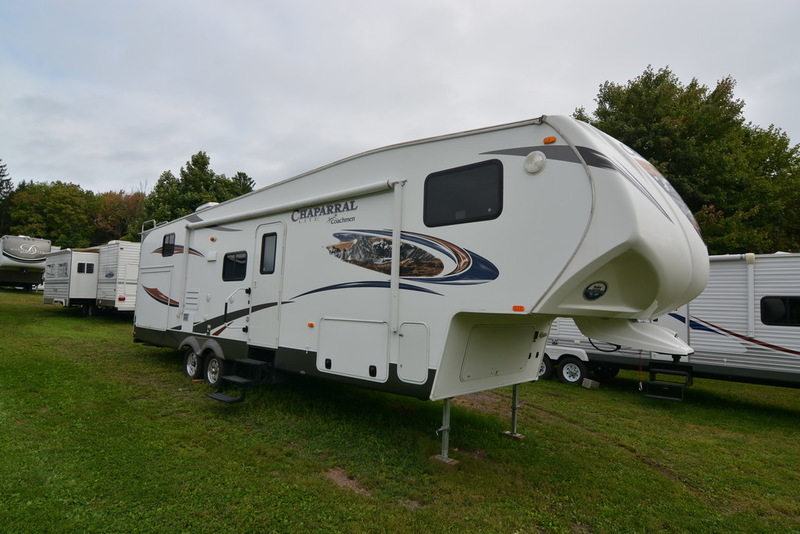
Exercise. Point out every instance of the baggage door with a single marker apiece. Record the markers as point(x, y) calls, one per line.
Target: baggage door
point(155, 298)
point(265, 298)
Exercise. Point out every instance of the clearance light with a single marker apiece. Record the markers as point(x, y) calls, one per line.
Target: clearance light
point(213, 239)
point(549, 140)
point(518, 308)
point(121, 299)
point(310, 325)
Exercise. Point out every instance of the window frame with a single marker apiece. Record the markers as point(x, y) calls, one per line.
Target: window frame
point(791, 315)
point(273, 253)
point(235, 273)
point(431, 218)
point(168, 245)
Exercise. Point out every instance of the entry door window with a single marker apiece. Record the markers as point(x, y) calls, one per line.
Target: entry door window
point(269, 243)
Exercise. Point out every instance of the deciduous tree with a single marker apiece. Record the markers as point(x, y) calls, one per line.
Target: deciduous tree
point(740, 180)
point(173, 197)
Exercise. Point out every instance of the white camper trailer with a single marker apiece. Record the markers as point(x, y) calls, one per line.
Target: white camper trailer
point(70, 277)
point(22, 260)
point(745, 326)
point(118, 273)
point(429, 268)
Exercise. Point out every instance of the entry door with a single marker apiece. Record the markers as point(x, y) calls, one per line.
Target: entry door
point(265, 298)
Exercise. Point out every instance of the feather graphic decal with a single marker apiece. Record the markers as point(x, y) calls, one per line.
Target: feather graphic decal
point(160, 297)
point(179, 250)
point(423, 258)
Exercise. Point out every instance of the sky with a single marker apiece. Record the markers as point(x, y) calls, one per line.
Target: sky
point(109, 94)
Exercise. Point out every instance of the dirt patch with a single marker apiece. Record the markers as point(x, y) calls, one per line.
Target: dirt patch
point(486, 402)
point(411, 505)
point(343, 480)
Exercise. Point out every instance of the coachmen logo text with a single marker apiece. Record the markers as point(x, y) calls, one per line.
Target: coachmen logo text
point(335, 212)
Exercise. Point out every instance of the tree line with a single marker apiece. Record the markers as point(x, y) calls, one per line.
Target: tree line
point(69, 216)
point(741, 181)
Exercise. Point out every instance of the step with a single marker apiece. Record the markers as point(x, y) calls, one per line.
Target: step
point(659, 383)
point(240, 381)
point(666, 391)
point(678, 371)
point(250, 361)
point(663, 397)
point(222, 397)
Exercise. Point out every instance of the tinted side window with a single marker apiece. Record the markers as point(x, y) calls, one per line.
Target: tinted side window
point(780, 311)
point(81, 268)
point(234, 266)
point(168, 245)
point(464, 194)
point(89, 268)
point(269, 244)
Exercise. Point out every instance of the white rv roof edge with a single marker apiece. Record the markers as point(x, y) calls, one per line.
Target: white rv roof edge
point(444, 137)
point(379, 186)
point(464, 133)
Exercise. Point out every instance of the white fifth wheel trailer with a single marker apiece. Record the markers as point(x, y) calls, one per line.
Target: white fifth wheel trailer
point(22, 260)
point(118, 263)
point(429, 268)
point(70, 277)
point(745, 327)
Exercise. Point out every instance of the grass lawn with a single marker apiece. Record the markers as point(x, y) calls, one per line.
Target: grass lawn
point(104, 435)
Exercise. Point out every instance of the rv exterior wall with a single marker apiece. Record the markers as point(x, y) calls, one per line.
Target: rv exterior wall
point(71, 277)
point(118, 264)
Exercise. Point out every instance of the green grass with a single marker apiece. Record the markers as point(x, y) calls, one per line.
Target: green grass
point(103, 435)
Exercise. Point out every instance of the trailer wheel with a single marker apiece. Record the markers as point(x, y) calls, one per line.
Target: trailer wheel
point(545, 368)
point(192, 364)
point(216, 368)
point(571, 370)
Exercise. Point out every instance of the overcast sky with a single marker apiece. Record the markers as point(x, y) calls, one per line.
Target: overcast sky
point(108, 94)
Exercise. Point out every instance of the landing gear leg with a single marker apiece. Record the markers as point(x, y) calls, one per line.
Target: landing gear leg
point(445, 433)
point(514, 407)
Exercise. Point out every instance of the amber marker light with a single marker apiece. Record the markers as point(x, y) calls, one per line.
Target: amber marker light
point(213, 239)
point(549, 140)
point(518, 308)
point(310, 325)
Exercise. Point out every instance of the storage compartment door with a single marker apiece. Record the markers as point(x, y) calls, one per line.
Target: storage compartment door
point(354, 348)
point(155, 302)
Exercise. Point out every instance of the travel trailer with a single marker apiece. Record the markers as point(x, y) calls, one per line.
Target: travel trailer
point(97, 277)
point(70, 278)
point(430, 268)
point(745, 327)
point(22, 260)
point(118, 263)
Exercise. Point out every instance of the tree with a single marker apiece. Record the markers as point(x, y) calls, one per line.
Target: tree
point(117, 211)
point(737, 178)
point(6, 190)
point(174, 197)
point(58, 211)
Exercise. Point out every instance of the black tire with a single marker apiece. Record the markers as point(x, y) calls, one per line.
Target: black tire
point(216, 368)
point(546, 368)
point(193, 364)
point(571, 370)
